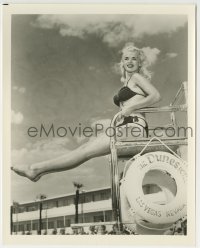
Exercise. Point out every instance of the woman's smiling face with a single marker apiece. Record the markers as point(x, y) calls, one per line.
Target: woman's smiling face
point(130, 61)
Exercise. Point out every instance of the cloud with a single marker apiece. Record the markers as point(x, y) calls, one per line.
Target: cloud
point(40, 151)
point(171, 55)
point(112, 29)
point(151, 54)
point(91, 68)
point(116, 68)
point(22, 90)
point(19, 89)
point(16, 117)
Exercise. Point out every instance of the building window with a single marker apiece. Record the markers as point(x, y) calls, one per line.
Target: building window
point(51, 204)
point(98, 218)
point(60, 203)
point(51, 224)
point(87, 219)
point(108, 216)
point(97, 197)
point(20, 209)
point(67, 222)
point(15, 211)
point(44, 225)
point(28, 227)
point(86, 198)
point(93, 198)
point(67, 202)
point(35, 207)
point(60, 223)
point(56, 204)
point(30, 208)
point(21, 227)
point(15, 228)
point(35, 226)
point(103, 196)
point(44, 205)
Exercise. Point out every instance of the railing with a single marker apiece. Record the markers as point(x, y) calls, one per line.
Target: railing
point(114, 170)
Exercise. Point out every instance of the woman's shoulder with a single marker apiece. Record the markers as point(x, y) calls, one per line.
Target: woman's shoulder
point(135, 80)
point(139, 80)
point(139, 76)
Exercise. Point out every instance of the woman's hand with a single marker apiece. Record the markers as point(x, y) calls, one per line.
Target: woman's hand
point(120, 116)
point(126, 112)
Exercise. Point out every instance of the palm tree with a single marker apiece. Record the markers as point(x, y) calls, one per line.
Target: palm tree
point(40, 198)
point(76, 200)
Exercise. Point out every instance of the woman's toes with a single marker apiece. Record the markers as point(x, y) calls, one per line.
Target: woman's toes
point(29, 173)
point(18, 171)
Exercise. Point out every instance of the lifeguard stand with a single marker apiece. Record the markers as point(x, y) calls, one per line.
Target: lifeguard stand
point(129, 147)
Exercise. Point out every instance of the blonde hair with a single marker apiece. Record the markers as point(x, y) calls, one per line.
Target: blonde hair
point(143, 62)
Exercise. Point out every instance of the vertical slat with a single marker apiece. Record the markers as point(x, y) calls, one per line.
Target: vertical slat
point(185, 89)
point(173, 119)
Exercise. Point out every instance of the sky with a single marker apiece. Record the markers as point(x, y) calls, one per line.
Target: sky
point(64, 72)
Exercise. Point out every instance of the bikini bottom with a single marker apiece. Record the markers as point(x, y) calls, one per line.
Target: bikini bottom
point(136, 120)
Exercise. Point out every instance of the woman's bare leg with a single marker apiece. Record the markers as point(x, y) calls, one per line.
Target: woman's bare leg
point(93, 148)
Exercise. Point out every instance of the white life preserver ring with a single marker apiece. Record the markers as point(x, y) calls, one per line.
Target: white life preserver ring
point(132, 183)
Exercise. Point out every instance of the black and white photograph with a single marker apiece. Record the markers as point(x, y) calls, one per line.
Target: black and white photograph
point(101, 124)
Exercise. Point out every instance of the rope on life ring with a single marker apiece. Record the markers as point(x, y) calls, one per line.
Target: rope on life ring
point(145, 147)
point(132, 185)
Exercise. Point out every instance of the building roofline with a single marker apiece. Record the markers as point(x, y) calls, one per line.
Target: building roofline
point(65, 195)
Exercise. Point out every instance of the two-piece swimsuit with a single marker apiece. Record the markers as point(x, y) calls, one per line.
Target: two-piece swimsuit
point(124, 94)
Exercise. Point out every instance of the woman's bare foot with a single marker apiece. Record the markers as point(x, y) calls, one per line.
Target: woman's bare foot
point(26, 171)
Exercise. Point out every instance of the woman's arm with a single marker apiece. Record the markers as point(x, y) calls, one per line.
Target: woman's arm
point(152, 97)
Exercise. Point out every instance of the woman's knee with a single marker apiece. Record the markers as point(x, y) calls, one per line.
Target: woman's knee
point(95, 147)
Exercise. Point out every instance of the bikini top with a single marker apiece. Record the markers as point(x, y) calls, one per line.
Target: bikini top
point(124, 94)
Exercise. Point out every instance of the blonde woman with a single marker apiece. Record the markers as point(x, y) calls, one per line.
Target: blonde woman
point(137, 92)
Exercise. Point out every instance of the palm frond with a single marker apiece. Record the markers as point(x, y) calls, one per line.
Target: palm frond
point(78, 185)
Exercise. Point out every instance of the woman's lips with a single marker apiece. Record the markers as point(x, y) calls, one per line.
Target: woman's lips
point(130, 66)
